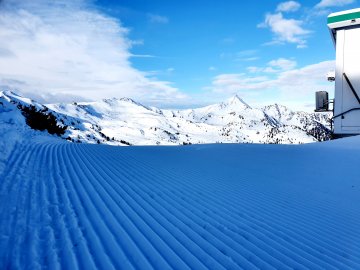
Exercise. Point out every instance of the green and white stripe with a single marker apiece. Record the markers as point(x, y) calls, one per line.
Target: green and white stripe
point(344, 18)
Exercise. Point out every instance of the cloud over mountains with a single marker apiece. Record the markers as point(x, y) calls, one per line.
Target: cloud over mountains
point(63, 50)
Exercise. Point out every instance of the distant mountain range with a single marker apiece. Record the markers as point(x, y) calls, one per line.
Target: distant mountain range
point(127, 122)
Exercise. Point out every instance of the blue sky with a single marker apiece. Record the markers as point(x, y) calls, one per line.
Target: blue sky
point(168, 53)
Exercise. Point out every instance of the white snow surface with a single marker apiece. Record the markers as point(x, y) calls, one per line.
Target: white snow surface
point(126, 122)
point(211, 206)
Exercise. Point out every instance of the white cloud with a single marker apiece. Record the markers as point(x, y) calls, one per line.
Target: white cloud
point(54, 48)
point(231, 83)
point(288, 6)
point(274, 66)
point(283, 64)
point(285, 30)
point(288, 87)
point(270, 70)
point(333, 3)
point(154, 18)
point(306, 79)
point(253, 69)
point(211, 68)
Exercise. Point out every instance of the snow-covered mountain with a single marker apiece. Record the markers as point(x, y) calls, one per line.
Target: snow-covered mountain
point(126, 122)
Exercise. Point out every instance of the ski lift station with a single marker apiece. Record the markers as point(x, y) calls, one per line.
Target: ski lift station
point(345, 32)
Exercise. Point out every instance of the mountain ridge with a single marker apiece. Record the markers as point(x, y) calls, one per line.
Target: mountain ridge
point(123, 121)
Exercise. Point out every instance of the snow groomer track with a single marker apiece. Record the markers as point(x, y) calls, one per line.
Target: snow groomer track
point(77, 206)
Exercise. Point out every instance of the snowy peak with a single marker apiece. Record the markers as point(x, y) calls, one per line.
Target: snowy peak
point(130, 100)
point(115, 100)
point(236, 101)
point(125, 101)
point(230, 106)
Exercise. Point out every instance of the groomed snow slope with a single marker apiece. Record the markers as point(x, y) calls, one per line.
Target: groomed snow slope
point(78, 206)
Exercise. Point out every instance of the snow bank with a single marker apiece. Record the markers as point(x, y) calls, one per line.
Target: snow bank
point(14, 130)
